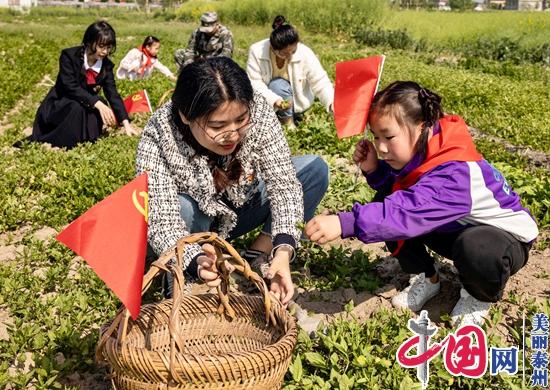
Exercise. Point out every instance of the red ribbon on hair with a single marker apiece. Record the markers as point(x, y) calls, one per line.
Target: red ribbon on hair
point(91, 76)
point(149, 57)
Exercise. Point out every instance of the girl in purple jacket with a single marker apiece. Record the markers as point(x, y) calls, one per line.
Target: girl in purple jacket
point(434, 190)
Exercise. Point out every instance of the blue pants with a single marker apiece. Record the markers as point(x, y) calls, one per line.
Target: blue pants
point(282, 88)
point(312, 172)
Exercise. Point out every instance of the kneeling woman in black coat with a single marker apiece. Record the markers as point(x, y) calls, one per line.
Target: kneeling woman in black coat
point(73, 112)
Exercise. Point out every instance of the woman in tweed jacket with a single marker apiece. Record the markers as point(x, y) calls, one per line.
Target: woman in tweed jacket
point(217, 160)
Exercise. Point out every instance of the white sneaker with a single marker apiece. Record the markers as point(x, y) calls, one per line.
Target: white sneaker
point(417, 294)
point(469, 311)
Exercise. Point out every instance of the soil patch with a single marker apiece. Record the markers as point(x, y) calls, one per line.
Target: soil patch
point(535, 157)
point(531, 283)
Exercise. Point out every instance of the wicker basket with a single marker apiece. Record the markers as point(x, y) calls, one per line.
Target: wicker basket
point(206, 341)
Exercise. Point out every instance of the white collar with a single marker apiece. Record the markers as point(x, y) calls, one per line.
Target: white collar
point(96, 67)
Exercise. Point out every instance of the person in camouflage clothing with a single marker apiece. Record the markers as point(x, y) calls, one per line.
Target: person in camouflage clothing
point(211, 39)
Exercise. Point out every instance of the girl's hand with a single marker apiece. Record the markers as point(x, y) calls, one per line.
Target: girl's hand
point(173, 77)
point(207, 270)
point(106, 113)
point(323, 228)
point(279, 274)
point(128, 128)
point(365, 156)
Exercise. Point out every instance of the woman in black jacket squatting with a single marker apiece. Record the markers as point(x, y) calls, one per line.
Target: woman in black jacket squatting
point(73, 112)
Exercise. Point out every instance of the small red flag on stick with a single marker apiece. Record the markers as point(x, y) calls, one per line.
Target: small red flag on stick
point(355, 86)
point(112, 238)
point(138, 102)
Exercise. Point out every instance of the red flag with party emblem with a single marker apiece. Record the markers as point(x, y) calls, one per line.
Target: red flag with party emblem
point(138, 102)
point(112, 238)
point(356, 83)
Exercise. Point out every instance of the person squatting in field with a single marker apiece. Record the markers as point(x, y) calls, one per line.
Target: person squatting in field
point(211, 39)
point(434, 190)
point(288, 73)
point(73, 112)
point(139, 63)
point(217, 160)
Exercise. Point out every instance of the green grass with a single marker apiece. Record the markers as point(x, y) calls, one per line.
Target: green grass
point(58, 309)
point(315, 15)
point(443, 28)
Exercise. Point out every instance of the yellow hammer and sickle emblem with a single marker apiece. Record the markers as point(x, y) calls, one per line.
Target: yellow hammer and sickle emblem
point(135, 98)
point(143, 210)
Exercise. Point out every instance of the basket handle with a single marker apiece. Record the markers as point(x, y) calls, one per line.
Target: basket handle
point(221, 245)
point(120, 323)
point(164, 97)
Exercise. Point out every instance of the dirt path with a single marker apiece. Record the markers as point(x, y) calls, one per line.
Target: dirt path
point(5, 121)
point(530, 284)
point(534, 157)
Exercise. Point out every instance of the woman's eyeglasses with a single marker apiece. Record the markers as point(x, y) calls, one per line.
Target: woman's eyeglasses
point(219, 134)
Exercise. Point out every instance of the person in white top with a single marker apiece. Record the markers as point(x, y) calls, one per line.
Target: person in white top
point(140, 62)
point(288, 74)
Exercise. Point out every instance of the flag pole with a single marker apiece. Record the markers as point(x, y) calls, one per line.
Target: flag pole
point(148, 102)
point(380, 73)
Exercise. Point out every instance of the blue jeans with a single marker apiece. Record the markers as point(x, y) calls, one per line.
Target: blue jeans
point(312, 172)
point(282, 88)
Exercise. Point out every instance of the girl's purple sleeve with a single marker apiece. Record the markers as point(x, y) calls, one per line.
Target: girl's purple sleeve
point(347, 222)
point(439, 198)
point(380, 176)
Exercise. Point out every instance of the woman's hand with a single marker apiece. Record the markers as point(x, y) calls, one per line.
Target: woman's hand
point(365, 156)
point(106, 113)
point(323, 228)
point(207, 270)
point(128, 128)
point(173, 77)
point(281, 105)
point(279, 275)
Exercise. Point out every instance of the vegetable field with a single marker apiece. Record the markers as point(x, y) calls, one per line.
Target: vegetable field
point(52, 304)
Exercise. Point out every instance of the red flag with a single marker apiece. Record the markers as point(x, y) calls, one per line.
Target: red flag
point(355, 86)
point(138, 102)
point(112, 238)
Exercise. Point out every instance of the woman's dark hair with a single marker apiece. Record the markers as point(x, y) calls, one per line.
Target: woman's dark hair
point(149, 40)
point(410, 105)
point(202, 87)
point(99, 33)
point(283, 34)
